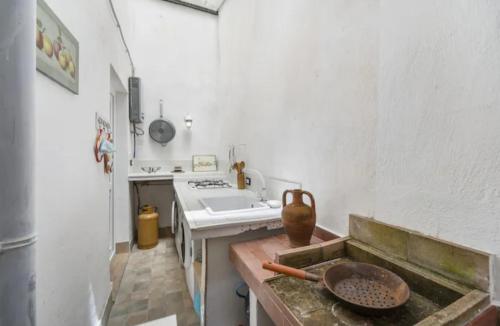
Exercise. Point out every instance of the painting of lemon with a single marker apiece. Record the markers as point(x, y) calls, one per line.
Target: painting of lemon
point(56, 49)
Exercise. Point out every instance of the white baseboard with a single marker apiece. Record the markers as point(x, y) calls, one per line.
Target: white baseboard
point(107, 309)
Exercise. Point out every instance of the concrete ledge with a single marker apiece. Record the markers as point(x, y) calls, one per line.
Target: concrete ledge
point(465, 265)
point(460, 311)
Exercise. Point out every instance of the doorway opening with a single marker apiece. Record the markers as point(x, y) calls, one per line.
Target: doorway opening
point(119, 194)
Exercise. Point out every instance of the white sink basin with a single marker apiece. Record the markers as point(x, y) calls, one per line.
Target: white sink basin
point(232, 204)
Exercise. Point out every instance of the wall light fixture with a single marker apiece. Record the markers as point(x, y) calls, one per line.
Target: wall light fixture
point(188, 120)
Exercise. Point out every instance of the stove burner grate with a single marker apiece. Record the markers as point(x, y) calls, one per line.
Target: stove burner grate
point(209, 184)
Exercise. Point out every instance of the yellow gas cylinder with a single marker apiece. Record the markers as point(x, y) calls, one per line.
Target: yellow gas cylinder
point(147, 228)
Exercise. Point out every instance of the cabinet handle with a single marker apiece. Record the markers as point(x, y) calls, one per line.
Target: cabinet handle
point(173, 216)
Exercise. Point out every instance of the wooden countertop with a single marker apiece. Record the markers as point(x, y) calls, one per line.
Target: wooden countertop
point(247, 258)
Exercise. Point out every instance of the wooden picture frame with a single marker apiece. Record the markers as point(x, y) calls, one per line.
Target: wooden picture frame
point(204, 163)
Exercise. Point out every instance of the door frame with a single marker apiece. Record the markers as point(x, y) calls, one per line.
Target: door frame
point(118, 118)
point(111, 191)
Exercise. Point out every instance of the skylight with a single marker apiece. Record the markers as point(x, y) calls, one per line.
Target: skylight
point(210, 6)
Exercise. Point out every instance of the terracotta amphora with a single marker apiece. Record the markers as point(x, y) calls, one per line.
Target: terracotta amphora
point(299, 219)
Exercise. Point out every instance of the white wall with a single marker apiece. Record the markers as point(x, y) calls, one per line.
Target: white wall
point(382, 107)
point(175, 49)
point(297, 83)
point(438, 134)
point(71, 189)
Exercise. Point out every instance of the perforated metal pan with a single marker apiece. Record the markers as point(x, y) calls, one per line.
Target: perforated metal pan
point(365, 288)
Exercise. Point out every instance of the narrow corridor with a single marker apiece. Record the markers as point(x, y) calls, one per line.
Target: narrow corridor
point(153, 286)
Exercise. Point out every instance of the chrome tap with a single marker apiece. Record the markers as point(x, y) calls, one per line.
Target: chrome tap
point(262, 191)
point(231, 158)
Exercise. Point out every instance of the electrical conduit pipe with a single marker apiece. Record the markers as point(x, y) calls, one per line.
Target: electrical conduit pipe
point(17, 90)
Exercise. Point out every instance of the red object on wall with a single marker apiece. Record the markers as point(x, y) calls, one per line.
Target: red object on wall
point(97, 144)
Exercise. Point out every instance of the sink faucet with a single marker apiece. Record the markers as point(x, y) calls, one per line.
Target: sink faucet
point(262, 191)
point(232, 157)
point(151, 169)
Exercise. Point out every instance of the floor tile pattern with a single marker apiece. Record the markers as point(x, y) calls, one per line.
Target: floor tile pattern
point(117, 268)
point(153, 286)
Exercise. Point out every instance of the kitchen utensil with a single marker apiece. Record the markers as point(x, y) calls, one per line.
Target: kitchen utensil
point(106, 145)
point(239, 166)
point(160, 130)
point(299, 219)
point(97, 144)
point(365, 288)
point(108, 163)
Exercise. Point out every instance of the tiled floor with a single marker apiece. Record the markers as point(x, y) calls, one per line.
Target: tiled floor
point(153, 286)
point(117, 269)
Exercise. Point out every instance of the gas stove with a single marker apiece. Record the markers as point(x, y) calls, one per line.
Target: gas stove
point(209, 184)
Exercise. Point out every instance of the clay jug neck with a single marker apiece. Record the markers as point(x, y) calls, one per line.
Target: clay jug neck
point(297, 197)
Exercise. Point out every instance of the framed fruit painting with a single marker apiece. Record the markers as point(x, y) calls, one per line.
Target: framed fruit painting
point(56, 49)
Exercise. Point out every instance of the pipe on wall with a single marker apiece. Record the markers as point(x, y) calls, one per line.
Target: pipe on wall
point(17, 91)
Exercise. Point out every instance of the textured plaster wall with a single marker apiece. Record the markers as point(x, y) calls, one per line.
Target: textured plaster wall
point(297, 84)
point(438, 131)
point(71, 189)
point(384, 108)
